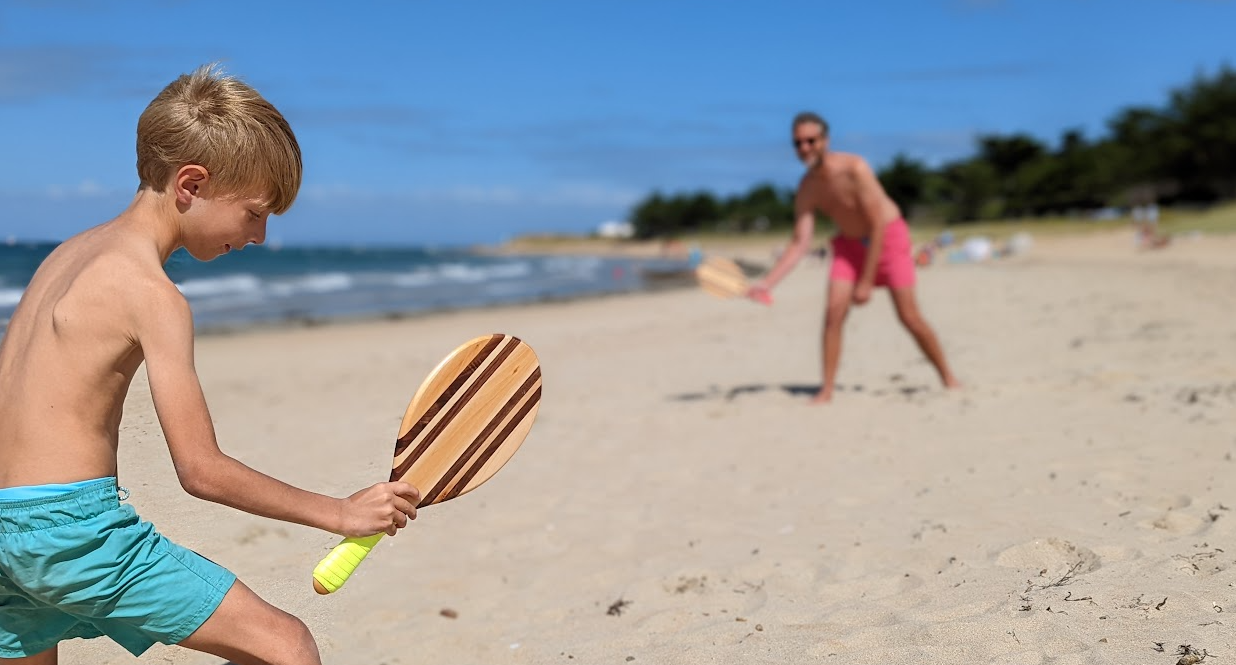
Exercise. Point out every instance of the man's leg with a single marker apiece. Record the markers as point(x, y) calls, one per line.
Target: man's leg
point(838, 306)
point(910, 316)
point(249, 631)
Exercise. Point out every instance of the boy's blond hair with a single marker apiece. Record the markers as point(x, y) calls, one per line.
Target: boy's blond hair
point(224, 125)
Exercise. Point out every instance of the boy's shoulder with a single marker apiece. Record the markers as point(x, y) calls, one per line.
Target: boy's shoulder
point(130, 266)
point(131, 278)
point(147, 287)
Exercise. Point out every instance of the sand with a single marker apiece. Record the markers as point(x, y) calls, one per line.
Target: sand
point(678, 501)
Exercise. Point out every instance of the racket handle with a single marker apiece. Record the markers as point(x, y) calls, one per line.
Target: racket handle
point(337, 567)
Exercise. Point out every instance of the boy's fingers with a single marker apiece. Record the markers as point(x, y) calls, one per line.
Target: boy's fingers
point(407, 491)
point(406, 509)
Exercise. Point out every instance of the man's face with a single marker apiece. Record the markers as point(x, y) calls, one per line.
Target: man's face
point(810, 143)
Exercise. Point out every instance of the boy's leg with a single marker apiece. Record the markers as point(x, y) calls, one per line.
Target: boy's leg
point(48, 657)
point(910, 316)
point(250, 631)
point(838, 306)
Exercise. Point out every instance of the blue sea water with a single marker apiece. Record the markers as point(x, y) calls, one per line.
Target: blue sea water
point(263, 285)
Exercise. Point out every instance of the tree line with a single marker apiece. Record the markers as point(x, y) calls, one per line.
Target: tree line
point(1183, 152)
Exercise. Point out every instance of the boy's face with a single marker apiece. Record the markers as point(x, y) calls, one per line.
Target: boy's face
point(221, 224)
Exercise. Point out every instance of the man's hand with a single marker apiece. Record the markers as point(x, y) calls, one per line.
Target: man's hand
point(382, 508)
point(760, 294)
point(862, 292)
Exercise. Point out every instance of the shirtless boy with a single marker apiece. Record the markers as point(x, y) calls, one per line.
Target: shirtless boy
point(214, 161)
point(871, 248)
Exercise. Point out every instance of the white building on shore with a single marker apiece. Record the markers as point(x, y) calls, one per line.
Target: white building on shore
point(616, 229)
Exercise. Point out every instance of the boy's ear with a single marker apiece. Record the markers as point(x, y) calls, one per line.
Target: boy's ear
point(190, 179)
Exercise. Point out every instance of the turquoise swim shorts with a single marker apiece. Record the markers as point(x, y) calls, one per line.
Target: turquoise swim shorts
point(82, 564)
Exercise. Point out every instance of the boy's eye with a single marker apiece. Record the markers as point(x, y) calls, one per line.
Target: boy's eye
point(255, 215)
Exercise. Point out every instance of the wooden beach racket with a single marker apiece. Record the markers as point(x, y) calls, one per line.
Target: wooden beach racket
point(723, 278)
point(465, 421)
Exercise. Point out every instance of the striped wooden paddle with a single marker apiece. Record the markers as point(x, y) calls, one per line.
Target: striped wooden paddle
point(723, 278)
point(465, 421)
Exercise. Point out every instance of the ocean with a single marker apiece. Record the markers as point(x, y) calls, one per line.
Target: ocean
point(271, 286)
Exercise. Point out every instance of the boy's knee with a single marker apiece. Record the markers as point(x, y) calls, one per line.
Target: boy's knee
point(281, 639)
point(298, 637)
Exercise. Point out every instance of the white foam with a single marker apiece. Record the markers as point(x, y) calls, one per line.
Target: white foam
point(461, 272)
point(324, 283)
point(10, 297)
point(216, 286)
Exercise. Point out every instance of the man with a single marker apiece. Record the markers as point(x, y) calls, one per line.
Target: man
point(871, 247)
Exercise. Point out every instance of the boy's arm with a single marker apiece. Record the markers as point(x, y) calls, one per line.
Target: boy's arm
point(804, 229)
point(165, 333)
point(870, 196)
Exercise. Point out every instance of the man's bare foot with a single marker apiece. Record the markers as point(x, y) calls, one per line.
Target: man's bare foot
point(952, 383)
point(823, 397)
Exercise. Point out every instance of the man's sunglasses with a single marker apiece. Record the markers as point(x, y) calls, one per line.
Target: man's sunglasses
point(810, 140)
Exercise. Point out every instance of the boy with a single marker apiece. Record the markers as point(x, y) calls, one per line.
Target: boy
point(871, 248)
point(214, 160)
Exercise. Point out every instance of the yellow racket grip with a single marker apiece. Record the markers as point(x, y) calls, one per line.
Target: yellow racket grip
point(337, 567)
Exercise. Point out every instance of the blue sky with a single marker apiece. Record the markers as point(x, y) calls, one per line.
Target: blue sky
point(440, 123)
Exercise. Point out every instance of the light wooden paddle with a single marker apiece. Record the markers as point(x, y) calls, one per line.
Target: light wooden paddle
point(465, 421)
point(723, 278)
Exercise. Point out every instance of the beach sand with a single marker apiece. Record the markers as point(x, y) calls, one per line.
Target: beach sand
point(678, 501)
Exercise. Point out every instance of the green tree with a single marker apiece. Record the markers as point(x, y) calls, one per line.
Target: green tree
point(905, 181)
point(1008, 156)
point(969, 186)
point(1202, 149)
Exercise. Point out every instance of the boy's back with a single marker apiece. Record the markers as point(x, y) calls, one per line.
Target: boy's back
point(67, 358)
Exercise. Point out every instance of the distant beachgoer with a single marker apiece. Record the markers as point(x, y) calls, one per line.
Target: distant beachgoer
point(872, 246)
point(214, 161)
point(1146, 221)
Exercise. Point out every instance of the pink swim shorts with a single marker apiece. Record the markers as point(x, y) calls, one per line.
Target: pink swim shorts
point(896, 263)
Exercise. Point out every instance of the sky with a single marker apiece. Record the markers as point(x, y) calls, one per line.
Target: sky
point(453, 123)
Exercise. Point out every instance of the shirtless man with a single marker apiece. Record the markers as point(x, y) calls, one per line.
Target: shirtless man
point(871, 248)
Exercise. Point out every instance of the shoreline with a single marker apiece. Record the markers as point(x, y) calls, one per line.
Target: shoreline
point(758, 251)
point(683, 282)
point(1209, 249)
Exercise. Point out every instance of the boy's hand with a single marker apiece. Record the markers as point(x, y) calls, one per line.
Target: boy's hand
point(382, 508)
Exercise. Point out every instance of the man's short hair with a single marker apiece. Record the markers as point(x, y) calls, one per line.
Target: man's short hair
point(224, 125)
point(807, 117)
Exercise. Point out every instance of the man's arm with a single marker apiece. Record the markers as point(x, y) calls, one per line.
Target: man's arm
point(804, 229)
point(870, 199)
point(165, 332)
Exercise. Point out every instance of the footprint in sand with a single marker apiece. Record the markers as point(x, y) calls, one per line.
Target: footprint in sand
point(1167, 513)
point(1051, 554)
point(1177, 522)
point(254, 534)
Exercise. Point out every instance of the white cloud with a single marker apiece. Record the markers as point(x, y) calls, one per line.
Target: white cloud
point(84, 189)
